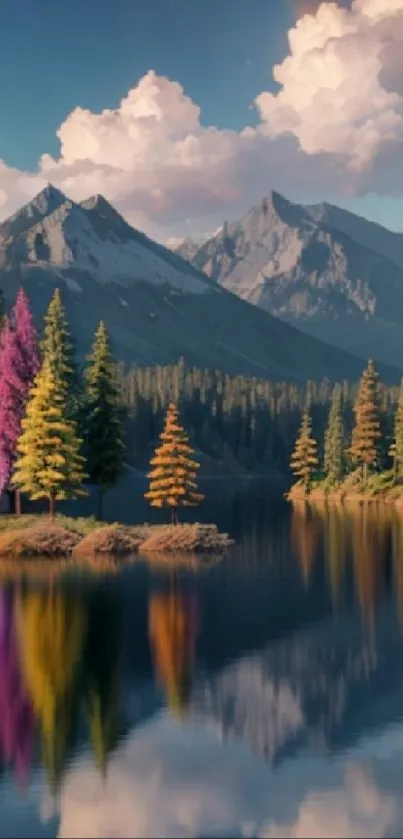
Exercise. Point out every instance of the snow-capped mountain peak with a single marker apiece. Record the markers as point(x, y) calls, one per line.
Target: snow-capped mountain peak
point(44, 203)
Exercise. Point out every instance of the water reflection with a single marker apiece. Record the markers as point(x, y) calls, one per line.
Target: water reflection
point(17, 718)
point(363, 540)
point(263, 696)
point(172, 633)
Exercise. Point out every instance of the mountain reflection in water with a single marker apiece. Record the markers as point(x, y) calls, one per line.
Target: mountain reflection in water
point(261, 696)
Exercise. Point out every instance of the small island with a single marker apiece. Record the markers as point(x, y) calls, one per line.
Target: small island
point(364, 466)
point(60, 432)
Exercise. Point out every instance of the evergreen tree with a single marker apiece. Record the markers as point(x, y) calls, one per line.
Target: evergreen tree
point(304, 458)
point(172, 480)
point(58, 349)
point(104, 433)
point(366, 431)
point(49, 464)
point(19, 364)
point(396, 449)
point(334, 440)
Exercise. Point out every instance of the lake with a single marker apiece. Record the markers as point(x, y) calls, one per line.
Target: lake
point(260, 695)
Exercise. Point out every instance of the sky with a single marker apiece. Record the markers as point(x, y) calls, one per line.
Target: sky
point(183, 113)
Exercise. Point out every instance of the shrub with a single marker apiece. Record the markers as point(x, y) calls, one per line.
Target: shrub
point(111, 539)
point(44, 539)
point(197, 538)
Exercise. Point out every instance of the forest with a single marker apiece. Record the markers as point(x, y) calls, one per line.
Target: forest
point(249, 422)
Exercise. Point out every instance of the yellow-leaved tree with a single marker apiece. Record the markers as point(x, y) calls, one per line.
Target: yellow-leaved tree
point(173, 477)
point(49, 464)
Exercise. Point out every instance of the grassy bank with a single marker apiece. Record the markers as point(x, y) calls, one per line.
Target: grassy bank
point(36, 536)
point(379, 488)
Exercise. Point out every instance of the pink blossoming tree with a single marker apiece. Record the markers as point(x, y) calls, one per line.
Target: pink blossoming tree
point(19, 364)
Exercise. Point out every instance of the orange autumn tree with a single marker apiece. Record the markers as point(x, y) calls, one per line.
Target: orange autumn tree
point(173, 477)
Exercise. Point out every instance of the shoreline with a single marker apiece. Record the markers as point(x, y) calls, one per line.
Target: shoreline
point(392, 497)
point(40, 538)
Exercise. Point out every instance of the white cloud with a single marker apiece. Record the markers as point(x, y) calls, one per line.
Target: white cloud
point(332, 97)
point(175, 780)
point(334, 128)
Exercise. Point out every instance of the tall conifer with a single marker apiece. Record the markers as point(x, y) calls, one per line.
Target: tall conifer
point(49, 464)
point(396, 449)
point(104, 433)
point(334, 440)
point(173, 477)
point(304, 458)
point(19, 364)
point(58, 349)
point(366, 431)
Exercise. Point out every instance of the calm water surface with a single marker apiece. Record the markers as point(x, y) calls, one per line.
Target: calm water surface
point(260, 696)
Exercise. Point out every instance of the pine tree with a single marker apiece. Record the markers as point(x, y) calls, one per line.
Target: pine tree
point(19, 364)
point(304, 458)
point(396, 449)
point(58, 348)
point(49, 464)
point(172, 480)
point(334, 440)
point(366, 431)
point(104, 433)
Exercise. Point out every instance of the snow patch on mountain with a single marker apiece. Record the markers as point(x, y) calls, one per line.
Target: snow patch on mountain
point(96, 241)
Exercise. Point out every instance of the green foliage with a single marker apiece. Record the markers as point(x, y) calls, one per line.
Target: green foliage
point(58, 350)
point(334, 441)
point(304, 459)
point(366, 432)
point(396, 449)
point(104, 433)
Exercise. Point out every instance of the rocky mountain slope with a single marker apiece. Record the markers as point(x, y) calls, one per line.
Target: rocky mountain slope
point(328, 272)
point(157, 306)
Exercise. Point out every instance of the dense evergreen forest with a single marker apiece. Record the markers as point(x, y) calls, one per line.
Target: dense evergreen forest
point(234, 419)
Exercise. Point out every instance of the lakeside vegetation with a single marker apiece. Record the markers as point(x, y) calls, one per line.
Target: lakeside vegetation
point(366, 464)
point(35, 536)
point(60, 430)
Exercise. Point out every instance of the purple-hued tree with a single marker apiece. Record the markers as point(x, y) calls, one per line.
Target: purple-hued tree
point(19, 364)
point(17, 720)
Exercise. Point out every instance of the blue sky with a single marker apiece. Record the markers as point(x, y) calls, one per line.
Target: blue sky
point(55, 56)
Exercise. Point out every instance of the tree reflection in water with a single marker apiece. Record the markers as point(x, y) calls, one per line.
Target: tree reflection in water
point(172, 633)
point(60, 651)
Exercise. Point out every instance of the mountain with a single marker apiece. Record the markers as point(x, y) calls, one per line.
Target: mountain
point(332, 274)
point(188, 249)
point(156, 305)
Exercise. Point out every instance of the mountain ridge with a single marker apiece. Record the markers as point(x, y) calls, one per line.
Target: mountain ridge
point(157, 306)
point(324, 270)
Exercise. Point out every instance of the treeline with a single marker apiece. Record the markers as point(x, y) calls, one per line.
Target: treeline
point(366, 455)
point(250, 421)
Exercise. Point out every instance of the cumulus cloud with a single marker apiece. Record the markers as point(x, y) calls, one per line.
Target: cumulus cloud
point(333, 128)
point(176, 780)
point(332, 98)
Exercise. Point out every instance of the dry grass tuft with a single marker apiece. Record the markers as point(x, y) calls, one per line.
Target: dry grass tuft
point(41, 540)
point(111, 539)
point(196, 538)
